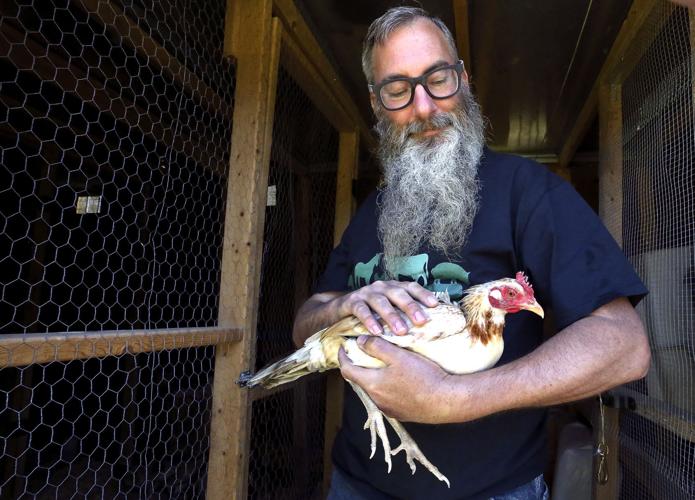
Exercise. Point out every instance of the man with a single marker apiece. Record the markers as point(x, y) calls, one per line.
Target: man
point(452, 214)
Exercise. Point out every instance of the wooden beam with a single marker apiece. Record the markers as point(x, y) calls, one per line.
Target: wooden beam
point(348, 156)
point(231, 29)
point(463, 34)
point(611, 212)
point(36, 348)
point(257, 58)
point(71, 77)
point(624, 54)
point(307, 76)
point(115, 19)
point(296, 27)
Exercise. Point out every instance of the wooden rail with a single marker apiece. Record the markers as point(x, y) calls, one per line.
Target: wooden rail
point(35, 348)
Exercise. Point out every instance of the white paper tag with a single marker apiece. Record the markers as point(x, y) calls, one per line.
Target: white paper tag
point(272, 196)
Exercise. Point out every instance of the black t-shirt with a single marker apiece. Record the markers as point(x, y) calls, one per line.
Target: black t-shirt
point(529, 220)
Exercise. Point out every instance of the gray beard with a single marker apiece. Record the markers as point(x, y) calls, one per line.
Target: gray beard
point(432, 189)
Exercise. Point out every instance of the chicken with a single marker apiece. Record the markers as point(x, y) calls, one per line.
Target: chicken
point(463, 338)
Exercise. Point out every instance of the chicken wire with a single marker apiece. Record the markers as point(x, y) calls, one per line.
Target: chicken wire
point(287, 435)
point(115, 129)
point(656, 427)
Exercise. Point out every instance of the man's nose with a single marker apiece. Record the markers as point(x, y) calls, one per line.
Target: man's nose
point(423, 105)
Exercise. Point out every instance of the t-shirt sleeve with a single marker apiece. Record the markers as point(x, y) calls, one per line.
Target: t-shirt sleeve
point(335, 277)
point(574, 261)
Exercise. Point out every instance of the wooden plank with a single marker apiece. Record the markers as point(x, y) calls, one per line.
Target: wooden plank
point(112, 16)
point(35, 348)
point(348, 156)
point(296, 27)
point(613, 69)
point(231, 28)
point(257, 58)
point(463, 34)
point(611, 212)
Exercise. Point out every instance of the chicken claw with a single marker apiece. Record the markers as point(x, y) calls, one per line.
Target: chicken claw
point(412, 451)
point(375, 424)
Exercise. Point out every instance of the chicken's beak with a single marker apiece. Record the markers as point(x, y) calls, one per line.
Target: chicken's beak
point(534, 307)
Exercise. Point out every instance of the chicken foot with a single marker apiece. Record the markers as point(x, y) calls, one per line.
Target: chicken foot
point(412, 451)
point(375, 424)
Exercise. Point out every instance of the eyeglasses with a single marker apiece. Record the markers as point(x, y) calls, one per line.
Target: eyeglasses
point(439, 83)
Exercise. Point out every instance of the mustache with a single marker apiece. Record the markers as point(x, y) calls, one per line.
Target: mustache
point(438, 121)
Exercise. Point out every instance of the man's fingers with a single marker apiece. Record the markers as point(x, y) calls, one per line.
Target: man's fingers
point(351, 371)
point(422, 294)
point(379, 348)
point(363, 312)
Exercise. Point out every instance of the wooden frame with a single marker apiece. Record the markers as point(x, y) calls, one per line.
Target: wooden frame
point(257, 55)
point(463, 42)
point(23, 350)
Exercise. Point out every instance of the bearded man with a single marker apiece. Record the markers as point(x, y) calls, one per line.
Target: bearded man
point(453, 214)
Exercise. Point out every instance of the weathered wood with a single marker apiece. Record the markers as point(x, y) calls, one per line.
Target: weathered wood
point(463, 42)
point(611, 212)
point(231, 28)
point(348, 156)
point(257, 58)
point(619, 62)
point(35, 348)
point(299, 31)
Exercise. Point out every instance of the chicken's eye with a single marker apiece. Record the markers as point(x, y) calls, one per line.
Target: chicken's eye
point(511, 293)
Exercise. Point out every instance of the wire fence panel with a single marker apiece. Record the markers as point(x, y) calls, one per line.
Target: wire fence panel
point(657, 417)
point(115, 129)
point(286, 458)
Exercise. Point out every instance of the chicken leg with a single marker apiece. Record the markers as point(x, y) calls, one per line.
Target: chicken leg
point(375, 424)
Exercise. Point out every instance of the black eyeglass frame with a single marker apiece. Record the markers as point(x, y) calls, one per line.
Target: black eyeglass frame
point(422, 80)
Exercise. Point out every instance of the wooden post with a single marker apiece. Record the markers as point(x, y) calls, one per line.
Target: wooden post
point(257, 55)
point(611, 212)
point(463, 44)
point(348, 156)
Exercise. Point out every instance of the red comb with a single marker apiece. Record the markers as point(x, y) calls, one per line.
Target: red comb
point(523, 281)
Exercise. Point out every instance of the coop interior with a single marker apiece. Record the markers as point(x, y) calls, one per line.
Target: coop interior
point(174, 175)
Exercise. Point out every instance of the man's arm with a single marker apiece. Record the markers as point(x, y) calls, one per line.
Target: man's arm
point(382, 298)
point(605, 349)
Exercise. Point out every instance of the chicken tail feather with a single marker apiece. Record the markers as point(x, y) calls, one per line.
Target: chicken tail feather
point(281, 372)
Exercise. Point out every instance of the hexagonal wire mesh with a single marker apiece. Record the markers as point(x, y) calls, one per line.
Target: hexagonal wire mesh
point(115, 127)
point(656, 431)
point(286, 457)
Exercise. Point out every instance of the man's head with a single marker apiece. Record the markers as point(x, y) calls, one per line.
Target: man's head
point(430, 147)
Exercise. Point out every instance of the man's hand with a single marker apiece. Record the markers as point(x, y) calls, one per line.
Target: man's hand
point(385, 298)
point(410, 388)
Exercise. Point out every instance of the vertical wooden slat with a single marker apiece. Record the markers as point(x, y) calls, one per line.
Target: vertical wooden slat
point(610, 211)
point(231, 28)
point(257, 55)
point(348, 156)
point(463, 44)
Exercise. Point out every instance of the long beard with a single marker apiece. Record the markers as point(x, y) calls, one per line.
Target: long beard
point(432, 189)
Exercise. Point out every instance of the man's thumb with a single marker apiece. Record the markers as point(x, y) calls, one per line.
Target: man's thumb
point(377, 347)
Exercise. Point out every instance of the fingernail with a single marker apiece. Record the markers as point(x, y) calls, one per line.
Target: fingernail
point(361, 340)
point(400, 327)
point(420, 317)
point(375, 329)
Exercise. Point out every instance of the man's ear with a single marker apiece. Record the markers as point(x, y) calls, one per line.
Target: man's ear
point(372, 101)
point(464, 76)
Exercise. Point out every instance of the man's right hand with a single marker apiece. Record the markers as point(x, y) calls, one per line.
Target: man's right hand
point(386, 298)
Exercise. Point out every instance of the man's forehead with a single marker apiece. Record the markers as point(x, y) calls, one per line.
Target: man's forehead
point(411, 50)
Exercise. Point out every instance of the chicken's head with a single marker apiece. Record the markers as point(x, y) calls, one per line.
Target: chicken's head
point(513, 295)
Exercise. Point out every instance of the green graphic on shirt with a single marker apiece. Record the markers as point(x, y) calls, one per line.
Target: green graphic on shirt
point(445, 276)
